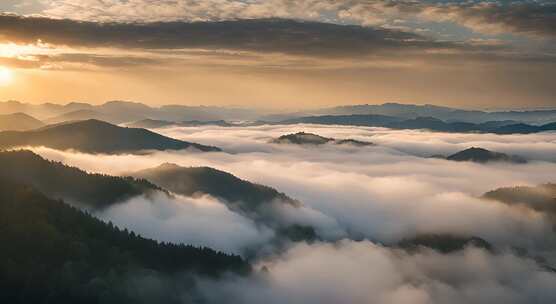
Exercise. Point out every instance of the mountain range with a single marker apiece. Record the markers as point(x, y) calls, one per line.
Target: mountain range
point(153, 123)
point(94, 136)
point(390, 115)
point(124, 111)
point(427, 123)
point(411, 111)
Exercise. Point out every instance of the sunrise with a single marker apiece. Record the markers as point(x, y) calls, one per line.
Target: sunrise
point(277, 151)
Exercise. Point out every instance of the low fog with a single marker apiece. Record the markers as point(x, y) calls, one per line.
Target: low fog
point(363, 272)
point(359, 199)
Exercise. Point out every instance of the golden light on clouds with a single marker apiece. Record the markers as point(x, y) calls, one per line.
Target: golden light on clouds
point(5, 76)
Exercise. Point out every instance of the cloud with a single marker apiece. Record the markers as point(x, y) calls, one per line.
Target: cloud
point(200, 221)
point(259, 35)
point(363, 272)
point(520, 17)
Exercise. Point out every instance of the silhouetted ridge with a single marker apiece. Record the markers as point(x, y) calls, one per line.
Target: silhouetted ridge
point(239, 194)
point(94, 136)
point(425, 123)
point(59, 181)
point(260, 203)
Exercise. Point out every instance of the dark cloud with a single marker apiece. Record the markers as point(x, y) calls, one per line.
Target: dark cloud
point(259, 35)
point(523, 17)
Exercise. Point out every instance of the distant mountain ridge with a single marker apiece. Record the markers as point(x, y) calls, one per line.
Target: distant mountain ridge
point(410, 111)
point(93, 136)
point(126, 112)
point(427, 123)
point(153, 123)
point(19, 122)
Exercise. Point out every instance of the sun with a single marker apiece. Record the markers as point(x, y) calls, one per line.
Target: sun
point(5, 76)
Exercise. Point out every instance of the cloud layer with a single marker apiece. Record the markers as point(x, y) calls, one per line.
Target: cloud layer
point(362, 200)
point(355, 192)
point(362, 272)
point(522, 17)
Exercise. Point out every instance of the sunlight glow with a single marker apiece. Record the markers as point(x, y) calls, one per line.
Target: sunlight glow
point(5, 76)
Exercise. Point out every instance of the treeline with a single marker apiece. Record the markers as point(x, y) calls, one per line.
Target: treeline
point(57, 180)
point(54, 253)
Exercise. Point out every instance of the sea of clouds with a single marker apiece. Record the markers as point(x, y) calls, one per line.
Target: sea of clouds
point(360, 200)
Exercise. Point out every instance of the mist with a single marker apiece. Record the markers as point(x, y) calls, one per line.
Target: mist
point(363, 272)
point(361, 201)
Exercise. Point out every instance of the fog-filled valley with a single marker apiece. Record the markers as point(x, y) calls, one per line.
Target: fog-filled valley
point(277, 151)
point(323, 213)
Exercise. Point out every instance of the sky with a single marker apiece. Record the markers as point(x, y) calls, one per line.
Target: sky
point(279, 54)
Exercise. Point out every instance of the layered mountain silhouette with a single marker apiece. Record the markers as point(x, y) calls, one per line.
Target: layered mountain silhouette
point(480, 155)
point(94, 136)
point(19, 122)
point(59, 181)
point(153, 123)
point(303, 138)
point(412, 111)
point(426, 123)
point(80, 115)
point(391, 115)
point(54, 253)
point(126, 112)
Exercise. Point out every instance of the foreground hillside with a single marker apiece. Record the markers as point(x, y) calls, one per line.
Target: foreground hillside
point(94, 136)
point(54, 253)
point(59, 181)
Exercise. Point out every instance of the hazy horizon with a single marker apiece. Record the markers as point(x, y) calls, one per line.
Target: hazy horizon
point(282, 54)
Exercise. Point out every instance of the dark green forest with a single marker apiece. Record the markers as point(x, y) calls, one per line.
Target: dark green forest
point(239, 194)
point(60, 181)
point(54, 253)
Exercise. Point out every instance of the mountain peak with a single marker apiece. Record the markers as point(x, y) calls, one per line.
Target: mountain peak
point(481, 155)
